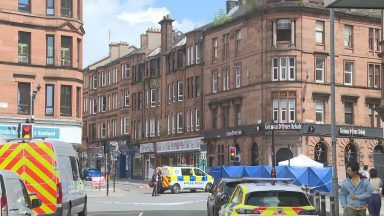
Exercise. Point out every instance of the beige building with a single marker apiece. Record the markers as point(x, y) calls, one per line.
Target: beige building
point(41, 54)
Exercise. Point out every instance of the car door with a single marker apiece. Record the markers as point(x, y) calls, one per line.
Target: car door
point(200, 178)
point(17, 198)
point(187, 174)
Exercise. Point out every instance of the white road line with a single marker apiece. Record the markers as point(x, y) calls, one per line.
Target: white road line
point(151, 204)
point(141, 214)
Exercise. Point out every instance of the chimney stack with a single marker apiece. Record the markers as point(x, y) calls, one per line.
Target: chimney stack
point(166, 33)
point(231, 4)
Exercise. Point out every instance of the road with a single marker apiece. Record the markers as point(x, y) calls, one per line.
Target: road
point(136, 200)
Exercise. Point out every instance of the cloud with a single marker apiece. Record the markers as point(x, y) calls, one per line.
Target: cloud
point(126, 20)
point(151, 15)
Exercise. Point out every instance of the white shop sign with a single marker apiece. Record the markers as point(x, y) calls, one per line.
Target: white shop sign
point(179, 145)
point(146, 148)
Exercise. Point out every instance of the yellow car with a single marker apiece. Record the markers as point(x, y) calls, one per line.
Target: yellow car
point(267, 199)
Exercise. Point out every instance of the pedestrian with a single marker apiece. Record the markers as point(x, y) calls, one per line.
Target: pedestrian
point(355, 192)
point(365, 172)
point(155, 180)
point(374, 202)
point(160, 181)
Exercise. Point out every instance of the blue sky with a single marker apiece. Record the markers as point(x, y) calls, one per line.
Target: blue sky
point(127, 19)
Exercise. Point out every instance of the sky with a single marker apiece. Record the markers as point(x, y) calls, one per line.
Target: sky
point(127, 19)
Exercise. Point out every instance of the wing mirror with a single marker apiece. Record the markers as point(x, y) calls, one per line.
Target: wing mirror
point(223, 199)
point(36, 203)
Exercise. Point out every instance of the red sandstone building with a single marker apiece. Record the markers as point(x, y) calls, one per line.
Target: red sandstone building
point(268, 67)
point(184, 99)
point(41, 53)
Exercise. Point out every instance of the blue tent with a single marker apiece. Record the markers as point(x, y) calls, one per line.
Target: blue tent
point(317, 178)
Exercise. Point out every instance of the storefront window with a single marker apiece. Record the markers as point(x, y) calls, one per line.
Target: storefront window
point(137, 164)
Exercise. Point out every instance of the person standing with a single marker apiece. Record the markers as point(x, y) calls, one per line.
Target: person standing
point(374, 202)
point(355, 192)
point(155, 180)
point(160, 181)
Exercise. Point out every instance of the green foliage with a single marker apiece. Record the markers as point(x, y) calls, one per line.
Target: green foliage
point(220, 18)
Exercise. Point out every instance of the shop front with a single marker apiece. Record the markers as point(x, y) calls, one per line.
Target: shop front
point(185, 152)
point(147, 152)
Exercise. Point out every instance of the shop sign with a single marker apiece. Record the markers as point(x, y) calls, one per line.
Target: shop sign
point(179, 145)
point(352, 132)
point(283, 126)
point(234, 133)
point(146, 148)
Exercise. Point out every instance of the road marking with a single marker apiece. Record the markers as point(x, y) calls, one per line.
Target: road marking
point(141, 214)
point(150, 204)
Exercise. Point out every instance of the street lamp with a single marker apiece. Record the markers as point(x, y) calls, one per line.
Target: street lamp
point(33, 97)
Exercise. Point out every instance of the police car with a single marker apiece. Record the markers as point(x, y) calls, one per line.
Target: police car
point(267, 198)
point(185, 178)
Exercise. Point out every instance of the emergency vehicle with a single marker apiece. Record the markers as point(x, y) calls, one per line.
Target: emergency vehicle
point(49, 169)
point(182, 178)
point(268, 199)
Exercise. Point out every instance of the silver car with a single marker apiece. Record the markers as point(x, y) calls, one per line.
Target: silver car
point(14, 198)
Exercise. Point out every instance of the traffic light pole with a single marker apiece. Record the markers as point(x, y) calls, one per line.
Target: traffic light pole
point(273, 172)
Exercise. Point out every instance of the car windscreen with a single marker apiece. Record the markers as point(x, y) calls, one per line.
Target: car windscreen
point(277, 198)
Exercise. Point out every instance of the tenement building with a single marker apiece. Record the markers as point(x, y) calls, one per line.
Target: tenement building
point(268, 69)
point(41, 68)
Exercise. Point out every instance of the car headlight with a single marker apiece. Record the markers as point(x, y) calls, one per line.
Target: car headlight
point(247, 211)
point(308, 212)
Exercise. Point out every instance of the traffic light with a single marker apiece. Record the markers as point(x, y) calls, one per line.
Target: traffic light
point(273, 172)
point(232, 154)
point(26, 131)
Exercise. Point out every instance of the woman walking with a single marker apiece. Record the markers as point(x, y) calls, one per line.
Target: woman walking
point(374, 202)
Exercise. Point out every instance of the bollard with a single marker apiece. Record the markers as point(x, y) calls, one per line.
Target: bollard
point(323, 209)
point(311, 196)
point(317, 201)
point(332, 201)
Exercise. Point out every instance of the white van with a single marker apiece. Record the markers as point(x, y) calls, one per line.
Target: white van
point(14, 198)
point(49, 169)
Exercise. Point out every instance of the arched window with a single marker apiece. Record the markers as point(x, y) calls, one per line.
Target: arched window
point(255, 154)
point(321, 153)
point(378, 160)
point(351, 152)
point(283, 154)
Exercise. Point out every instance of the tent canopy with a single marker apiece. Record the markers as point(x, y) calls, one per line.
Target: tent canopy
point(358, 4)
point(302, 161)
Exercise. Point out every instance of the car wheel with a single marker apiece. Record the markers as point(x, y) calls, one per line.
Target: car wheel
point(175, 189)
point(85, 210)
point(208, 187)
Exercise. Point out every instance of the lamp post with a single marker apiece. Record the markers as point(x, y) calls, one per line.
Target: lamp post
point(33, 97)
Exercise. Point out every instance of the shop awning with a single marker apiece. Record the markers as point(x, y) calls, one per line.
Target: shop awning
point(358, 4)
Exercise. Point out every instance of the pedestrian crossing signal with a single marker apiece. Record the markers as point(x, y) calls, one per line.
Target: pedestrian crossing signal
point(26, 131)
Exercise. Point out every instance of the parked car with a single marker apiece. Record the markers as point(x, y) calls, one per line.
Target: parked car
point(53, 168)
point(267, 199)
point(91, 172)
point(221, 192)
point(14, 198)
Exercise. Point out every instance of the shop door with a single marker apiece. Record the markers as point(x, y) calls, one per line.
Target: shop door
point(149, 163)
point(378, 159)
point(122, 166)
